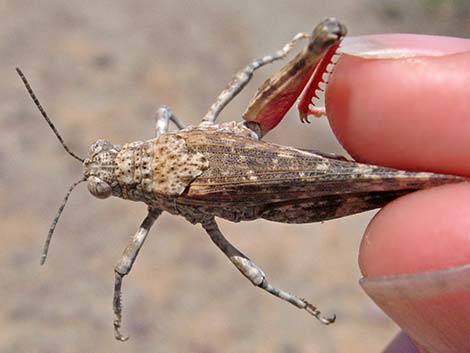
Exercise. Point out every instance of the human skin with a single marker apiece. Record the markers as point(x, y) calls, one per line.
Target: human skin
point(408, 107)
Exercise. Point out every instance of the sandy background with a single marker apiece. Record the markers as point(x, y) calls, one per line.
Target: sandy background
point(101, 69)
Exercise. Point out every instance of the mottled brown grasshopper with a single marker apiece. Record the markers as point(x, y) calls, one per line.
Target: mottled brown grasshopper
point(225, 170)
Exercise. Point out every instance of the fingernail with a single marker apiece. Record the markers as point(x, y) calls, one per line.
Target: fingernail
point(397, 45)
point(402, 344)
point(433, 308)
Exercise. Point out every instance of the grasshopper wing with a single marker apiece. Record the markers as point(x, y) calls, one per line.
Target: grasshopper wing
point(245, 172)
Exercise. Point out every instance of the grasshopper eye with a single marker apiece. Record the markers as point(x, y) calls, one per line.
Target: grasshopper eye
point(99, 188)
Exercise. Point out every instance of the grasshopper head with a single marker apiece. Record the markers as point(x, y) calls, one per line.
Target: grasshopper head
point(99, 167)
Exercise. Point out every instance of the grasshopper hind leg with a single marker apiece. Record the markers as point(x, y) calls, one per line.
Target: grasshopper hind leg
point(124, 266)
point(241, 78)
point(255, 275)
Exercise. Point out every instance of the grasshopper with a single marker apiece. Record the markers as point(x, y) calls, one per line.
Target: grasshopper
point(227, 171)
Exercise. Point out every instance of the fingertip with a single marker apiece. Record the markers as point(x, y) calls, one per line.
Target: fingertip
point(422, 231)
point(415, 259)
point(407, 113)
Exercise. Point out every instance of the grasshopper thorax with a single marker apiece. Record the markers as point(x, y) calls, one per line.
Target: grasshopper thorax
point(99, 168)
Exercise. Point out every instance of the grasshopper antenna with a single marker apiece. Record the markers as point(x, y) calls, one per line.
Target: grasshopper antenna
point(44, 114)
point(51, 125)
point(56, 219)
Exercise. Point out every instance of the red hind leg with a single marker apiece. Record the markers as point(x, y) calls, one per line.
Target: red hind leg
point(277, 95)
point(305, 109)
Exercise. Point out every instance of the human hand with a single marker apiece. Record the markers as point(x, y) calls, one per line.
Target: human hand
point(412, 113)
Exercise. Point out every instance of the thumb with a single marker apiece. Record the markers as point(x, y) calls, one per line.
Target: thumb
point(414, 258)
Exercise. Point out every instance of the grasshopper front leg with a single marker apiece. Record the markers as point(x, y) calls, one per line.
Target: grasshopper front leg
point(255, 275)
point(124, 266)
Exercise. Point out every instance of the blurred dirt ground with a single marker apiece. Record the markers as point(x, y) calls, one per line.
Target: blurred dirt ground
point(101, 69)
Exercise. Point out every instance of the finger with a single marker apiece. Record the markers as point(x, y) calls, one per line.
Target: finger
point(409, 112)
point(426, 230)
point(414, 258)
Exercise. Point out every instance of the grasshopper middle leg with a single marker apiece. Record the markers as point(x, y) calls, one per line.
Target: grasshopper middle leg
point(255, 275)
point(124, 266)
point(162, 120)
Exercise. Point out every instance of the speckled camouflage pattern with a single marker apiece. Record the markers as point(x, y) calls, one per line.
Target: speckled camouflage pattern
point(225, 171)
